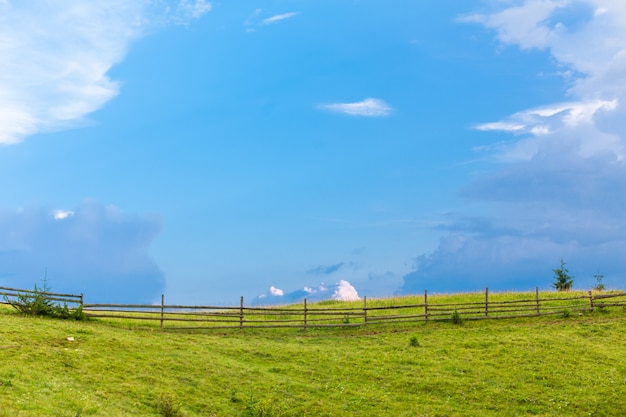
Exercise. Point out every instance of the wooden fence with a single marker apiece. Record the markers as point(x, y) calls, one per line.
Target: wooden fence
point(365, 313)
point(9, 295)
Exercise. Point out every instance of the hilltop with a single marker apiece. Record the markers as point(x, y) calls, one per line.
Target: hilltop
point(540, 366)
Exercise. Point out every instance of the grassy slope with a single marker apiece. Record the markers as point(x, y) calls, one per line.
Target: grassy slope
point(538, 366)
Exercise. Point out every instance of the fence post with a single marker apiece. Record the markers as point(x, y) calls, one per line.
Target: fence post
point(162, 308)
point(591, 301)
point(82, 300)
point(537, 298)
point(364, 310)
point(241, 313)
point(425, 305)
point(487, 302)
point(305, 314)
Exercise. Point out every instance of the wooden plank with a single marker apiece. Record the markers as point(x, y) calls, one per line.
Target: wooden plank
point(396, 307)
point(241, 313)
point(41, 292)
point(394, 317)
point(50, 298)
point(121, 311)
point(158, 318)
point(602, 296)
point(622, 304)
point(201, 307)
point(364, 311)
point(486, 301)
point(174, 319)
point(566, 307)
point(149, 306)
point(304, 314)
point(577, 297)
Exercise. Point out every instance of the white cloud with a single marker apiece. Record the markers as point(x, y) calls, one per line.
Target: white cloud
point(521, 24)
point(255, 19)
point(56, 56)
point(588, 39)
point(187, 10)
point(345, 292)
point(278, 18)
point(62, 214)
point(560, 192)
point(276, 291)
point(501, 126)
point(370, 107)
point(545, 119)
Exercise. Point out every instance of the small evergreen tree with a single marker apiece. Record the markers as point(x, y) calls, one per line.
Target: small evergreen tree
point(39, 303)
point(599, 285)
point(563, 281)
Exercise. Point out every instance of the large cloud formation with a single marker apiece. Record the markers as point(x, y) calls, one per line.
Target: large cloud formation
point(55, 56)
point(93, 249)
point(558, 188)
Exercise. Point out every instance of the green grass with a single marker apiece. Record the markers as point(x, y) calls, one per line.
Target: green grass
point(411, 309)
point(548, 366)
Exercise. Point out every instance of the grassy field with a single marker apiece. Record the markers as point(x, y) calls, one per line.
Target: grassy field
point(549, 366)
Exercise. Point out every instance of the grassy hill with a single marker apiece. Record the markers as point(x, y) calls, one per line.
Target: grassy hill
point(549, 366)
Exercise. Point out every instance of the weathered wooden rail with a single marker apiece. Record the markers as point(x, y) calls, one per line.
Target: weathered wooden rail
point(8, 295)
point(483, 306)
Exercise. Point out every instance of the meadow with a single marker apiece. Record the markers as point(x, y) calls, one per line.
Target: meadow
point(559, 365)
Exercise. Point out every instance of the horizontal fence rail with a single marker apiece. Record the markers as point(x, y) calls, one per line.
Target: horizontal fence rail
point(482, 306)
point(13, 295)
point(183, 317)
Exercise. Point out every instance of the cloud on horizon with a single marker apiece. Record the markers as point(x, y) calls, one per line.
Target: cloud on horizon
point(92, 249)
point(557, 186)
point(341, 291)
point(369, 107)
point(56, 56)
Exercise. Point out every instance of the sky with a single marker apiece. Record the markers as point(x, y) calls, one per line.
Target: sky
point(276, 150)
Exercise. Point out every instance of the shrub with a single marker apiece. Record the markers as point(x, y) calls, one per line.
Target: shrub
point(599, 285)
point(562, 280)
point(413, 342)
point(456, 318)
point(168, 406)
point(38, 303)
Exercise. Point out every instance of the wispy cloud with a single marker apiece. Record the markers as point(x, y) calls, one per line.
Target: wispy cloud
point(186, 11)
point(278, 18)
point(255, 19)
point(56, 56)
point(547, 119)
point(370, 107)
point(326, 269)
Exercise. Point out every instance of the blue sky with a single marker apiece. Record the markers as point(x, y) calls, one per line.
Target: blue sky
point(208, 150)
